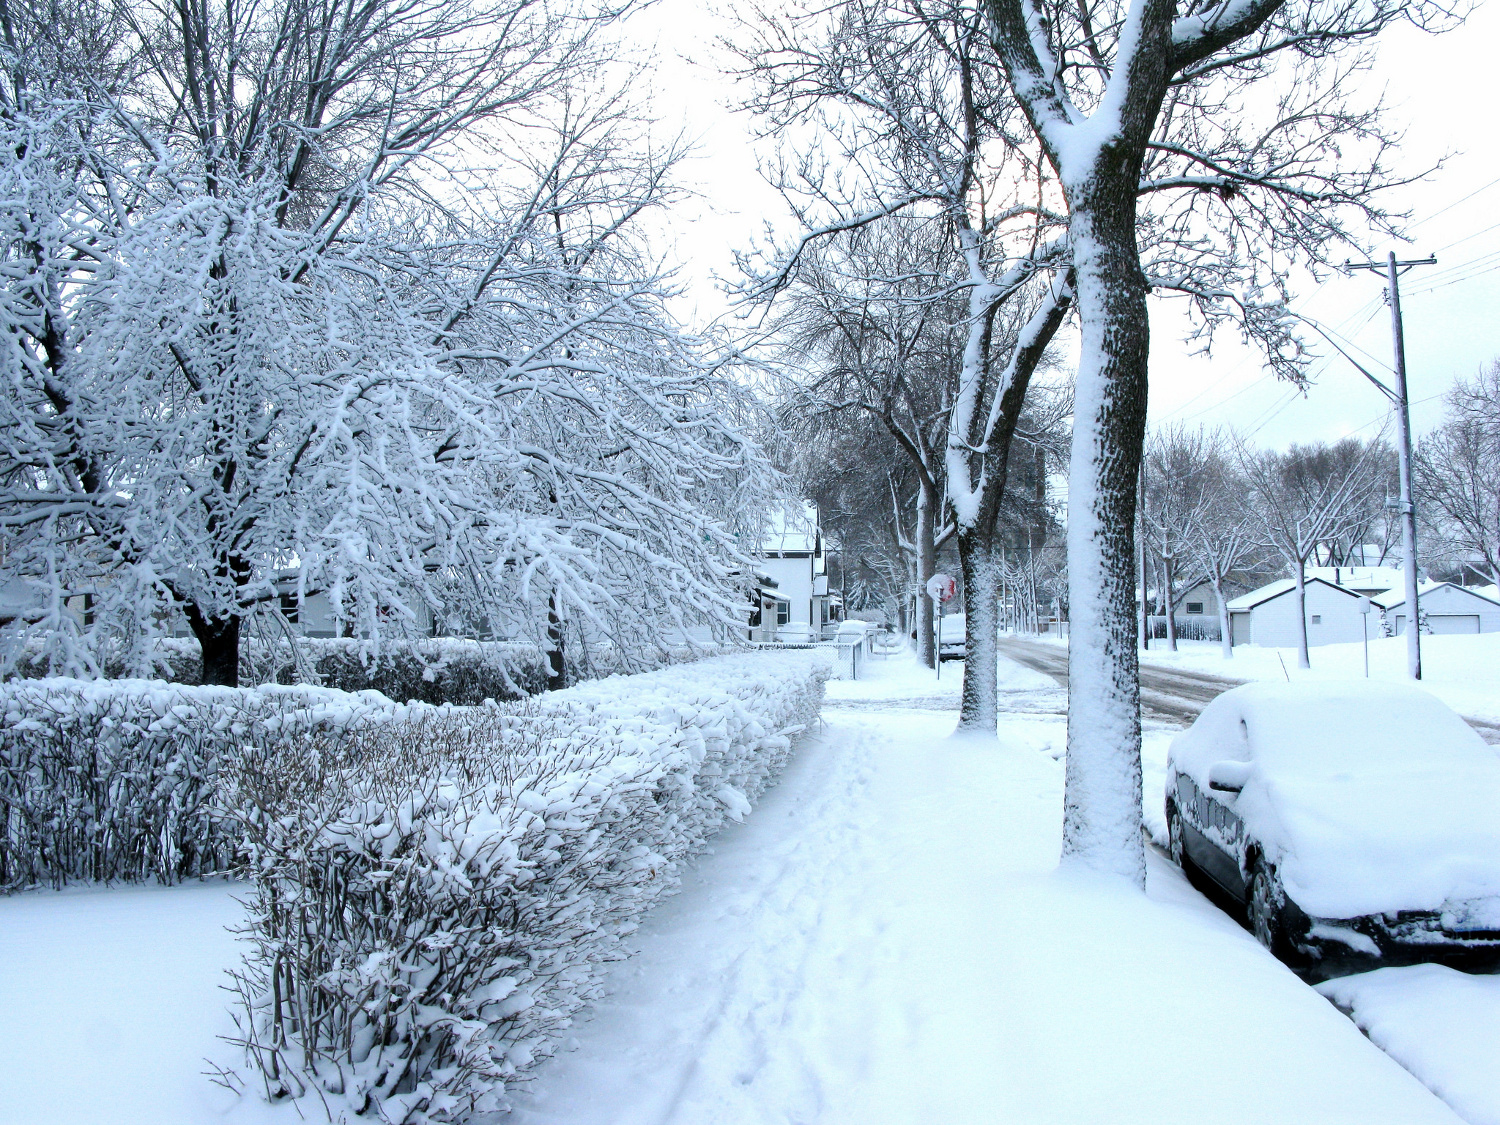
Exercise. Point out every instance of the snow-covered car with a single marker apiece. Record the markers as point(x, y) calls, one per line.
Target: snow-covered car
point(952, 634)
point(1359, 824)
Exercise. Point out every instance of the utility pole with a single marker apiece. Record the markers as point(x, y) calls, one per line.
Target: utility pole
point(1393, 269)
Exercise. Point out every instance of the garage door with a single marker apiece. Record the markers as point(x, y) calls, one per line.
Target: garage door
point(1454, 622)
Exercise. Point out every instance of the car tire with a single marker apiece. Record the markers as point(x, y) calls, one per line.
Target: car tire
point(1176, 842)
point(1274, 919)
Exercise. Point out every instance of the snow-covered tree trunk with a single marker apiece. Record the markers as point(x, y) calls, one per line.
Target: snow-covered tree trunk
point(1102, 801)
point(927, 650)
point(976, 557)
point(1226, 635)
point(1169, 601)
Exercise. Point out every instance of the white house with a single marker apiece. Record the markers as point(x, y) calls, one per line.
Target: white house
point(1448, 609)
point(792, 558)
point(1268, 616)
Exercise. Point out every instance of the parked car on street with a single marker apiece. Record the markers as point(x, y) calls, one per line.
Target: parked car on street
point(952, 634)
point(1358, 824)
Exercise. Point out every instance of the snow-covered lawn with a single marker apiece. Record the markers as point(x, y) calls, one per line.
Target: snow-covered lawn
point(885, 940)
point(1442, 1025)
point(110, 1002)
point(1464, 672)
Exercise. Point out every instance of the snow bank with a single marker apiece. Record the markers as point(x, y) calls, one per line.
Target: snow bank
point(1440, 1024)
point(116, 779)
point(1368, 797)
point(437, 896)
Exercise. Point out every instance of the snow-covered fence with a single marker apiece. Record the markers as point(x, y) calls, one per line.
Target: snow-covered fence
point(436, 897)
point(117, 780)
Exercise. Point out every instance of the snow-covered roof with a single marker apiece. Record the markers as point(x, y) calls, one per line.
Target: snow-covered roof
point(792, 532)
point(1276, 589)
point(1393, 598)
point(1359, 577)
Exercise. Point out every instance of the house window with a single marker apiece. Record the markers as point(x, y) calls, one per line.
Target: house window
point(1195, 607)
point(1317, 619)
point(783, 612)
point(289, 607)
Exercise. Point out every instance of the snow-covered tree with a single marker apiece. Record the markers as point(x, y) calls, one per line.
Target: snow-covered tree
point(864, 309)
point(907, 110)
point(357, 293)
point(1307, 496)
point(1458, 471)
point(1197, 148)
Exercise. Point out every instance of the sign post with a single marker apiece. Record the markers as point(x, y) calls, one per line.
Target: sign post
point(1364, 609)
point(940, 588)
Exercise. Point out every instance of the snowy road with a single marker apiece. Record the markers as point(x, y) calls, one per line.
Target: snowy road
point(1174, 696)
point(1171, 694)
point(888, 940)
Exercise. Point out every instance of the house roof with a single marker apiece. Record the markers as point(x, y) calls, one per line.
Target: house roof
point(1359, 577)
point(1276, 589)
point(1393, 598)
point(789, 532)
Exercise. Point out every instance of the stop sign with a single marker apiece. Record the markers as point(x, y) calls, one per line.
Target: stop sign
point(941, 587)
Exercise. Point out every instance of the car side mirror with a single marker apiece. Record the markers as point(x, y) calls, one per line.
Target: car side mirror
point(1228, 777)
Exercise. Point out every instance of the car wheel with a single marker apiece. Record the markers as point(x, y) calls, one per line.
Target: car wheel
point(1176, 844)
point(1274, 919)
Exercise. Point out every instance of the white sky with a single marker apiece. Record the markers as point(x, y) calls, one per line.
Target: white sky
point(1440, 87)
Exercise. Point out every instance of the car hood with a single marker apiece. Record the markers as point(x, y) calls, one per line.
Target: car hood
point(1347, 846)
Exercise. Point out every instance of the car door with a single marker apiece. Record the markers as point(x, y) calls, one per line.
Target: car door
point(1213, 834)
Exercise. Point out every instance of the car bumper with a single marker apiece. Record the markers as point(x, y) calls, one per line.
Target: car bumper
point(1335, 946)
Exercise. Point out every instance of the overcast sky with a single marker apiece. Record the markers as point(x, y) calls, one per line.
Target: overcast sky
point(1442, 88)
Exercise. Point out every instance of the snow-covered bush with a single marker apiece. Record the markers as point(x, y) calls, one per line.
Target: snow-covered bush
point(436, 670)
point(437, 896)
point(118, 779)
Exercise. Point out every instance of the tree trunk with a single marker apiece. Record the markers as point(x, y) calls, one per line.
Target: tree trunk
point(927, 651)
point(557, 670)
point(1102, 799)
point(219, 640)
point(978, 709)
point(1302, 659)
point(1226, 634)
point(1170, 603)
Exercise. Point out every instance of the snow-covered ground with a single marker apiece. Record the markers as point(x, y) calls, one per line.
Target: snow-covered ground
point(1464, 672)
point(1442, 1025)
point(110, 1003)
point(886, 939)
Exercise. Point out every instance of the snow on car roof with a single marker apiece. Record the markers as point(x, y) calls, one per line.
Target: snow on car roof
point(1368, 797)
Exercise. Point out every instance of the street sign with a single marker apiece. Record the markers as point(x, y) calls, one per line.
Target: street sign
point(941, 588)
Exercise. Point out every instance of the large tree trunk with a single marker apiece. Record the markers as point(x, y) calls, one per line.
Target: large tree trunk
point(1102, 800)
point(926, 567)
point(219, 640)
point(976, 556)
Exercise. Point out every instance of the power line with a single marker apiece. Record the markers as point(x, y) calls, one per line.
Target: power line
point(1454, 204)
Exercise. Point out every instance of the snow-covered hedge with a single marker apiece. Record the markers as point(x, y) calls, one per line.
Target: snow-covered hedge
point(117, 779)
point(437, 896)
point(433, 670)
